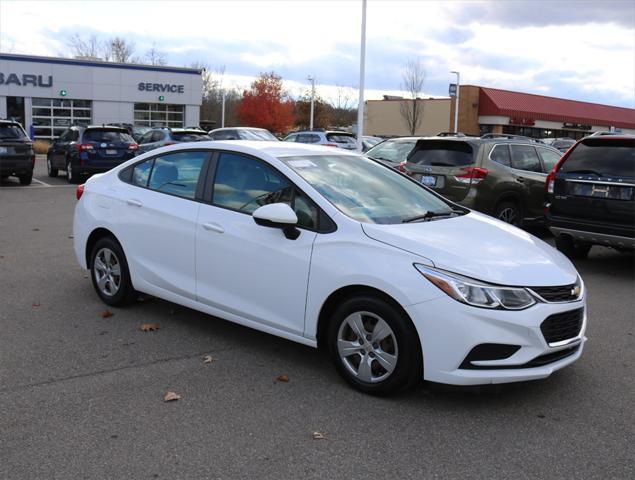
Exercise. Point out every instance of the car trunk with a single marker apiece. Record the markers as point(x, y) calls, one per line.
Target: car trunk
point(596, 183)
point(109, 148)
point(443, 165)
point(15, 153)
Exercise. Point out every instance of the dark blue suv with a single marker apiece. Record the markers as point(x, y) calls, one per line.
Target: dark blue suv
point(86, 150)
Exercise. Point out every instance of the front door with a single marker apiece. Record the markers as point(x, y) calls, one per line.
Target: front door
point(248, 270)
point(527, 171)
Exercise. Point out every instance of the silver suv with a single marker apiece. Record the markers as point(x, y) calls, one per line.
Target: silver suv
point(160, 137)
point(329, 138)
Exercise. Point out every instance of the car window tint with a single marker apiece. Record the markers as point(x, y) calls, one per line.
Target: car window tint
point(9, 131)
point(141, 172)
point(189, 136)
point(225, 135)
point(101, 135)
point(146, 138)
point(291, 138)
point(177, 173)
point(603, 157)
point(340, 138)
point(74, 135)
point(524, 157)
point(549, 158)
point(157, 136)
point(392, 150)
point(442, 154)
point(307, 138)
point(500, 154)
point(65, 136)
point(244, 184)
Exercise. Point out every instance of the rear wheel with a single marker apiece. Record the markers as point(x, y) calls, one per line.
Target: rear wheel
point(110, 274)
point(374, 346)
point(572, 248)
point(52, 172)
point(26, 179)
point(71, 174)
point(509, 212)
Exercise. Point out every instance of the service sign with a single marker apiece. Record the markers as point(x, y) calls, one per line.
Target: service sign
point(160, 87)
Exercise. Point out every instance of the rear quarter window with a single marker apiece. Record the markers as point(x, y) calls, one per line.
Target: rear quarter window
point(602, 157)
point(500, 154)
point(442, 154)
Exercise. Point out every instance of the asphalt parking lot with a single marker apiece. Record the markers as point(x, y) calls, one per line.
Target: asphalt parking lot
point(82, 396)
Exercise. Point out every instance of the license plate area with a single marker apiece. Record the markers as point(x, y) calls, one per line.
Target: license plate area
point(595, 190)
point(111, 152)
point(428, 180)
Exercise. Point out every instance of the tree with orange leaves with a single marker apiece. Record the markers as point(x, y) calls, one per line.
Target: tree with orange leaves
point(266, 105)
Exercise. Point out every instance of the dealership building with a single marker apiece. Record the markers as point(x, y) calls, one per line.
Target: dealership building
point(47, 95)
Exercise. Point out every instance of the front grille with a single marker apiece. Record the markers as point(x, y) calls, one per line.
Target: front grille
point(563, 293)
point(540, 361)
point(562, 326)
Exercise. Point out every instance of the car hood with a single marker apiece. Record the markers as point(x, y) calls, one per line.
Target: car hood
point(480, 247)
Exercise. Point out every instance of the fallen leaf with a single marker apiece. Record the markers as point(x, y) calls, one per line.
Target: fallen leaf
point(283, 378)
point(171, 397)
point(149, 327)
point(106, 314)
point(36, 304)
point(319, 436)
point(208, 359)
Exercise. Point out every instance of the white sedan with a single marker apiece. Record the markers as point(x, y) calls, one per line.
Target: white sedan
point(331, 249)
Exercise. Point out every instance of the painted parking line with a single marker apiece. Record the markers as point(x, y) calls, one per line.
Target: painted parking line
point(42, 183)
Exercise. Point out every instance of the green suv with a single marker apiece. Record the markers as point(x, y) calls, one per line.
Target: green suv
point(500, 175)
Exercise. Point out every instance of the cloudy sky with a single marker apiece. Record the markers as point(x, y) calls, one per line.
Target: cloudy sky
point(584, 50)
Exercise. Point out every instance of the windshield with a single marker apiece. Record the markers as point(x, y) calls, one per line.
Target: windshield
point(392, 150)
point(11, 132)
point(602, 157)
point(365, 190)
point(106, 136)
point(189, 136)
point(264, 135)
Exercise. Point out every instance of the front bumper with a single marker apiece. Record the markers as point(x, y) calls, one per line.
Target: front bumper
point(449, 330)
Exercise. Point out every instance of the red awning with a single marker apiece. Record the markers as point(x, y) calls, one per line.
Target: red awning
point(538, 107)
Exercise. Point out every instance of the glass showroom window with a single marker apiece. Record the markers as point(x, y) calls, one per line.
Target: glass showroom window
point(158, 115)
point(51, 116)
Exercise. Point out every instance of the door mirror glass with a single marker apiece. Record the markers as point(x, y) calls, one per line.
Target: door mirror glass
point(278, 215)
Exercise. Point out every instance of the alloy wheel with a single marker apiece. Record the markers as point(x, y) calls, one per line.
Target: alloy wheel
point(367, 347)
point(508, 215)
point(107, 272)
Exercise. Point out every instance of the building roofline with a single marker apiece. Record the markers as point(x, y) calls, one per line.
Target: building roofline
point(97, 63)
point(402, 99)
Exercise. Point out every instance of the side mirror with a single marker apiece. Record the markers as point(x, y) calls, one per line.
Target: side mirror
point(278, 215)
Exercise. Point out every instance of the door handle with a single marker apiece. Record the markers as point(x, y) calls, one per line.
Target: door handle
point(520, 179)
point(134, 203)
point(213, 227)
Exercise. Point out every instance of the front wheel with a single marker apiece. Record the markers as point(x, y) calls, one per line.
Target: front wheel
point(110, 274)
point(52, 172)
point(374, 346)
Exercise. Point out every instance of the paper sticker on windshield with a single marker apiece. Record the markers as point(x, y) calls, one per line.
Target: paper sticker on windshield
point(301, 163)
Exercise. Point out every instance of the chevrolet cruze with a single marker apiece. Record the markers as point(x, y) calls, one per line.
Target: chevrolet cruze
point(334, 250)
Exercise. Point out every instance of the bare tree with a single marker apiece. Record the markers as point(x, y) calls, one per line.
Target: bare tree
point(119, 50)
point(154, 56)
point(411, 109)
point(85, 48)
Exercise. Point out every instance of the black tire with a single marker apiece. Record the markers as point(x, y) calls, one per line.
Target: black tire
point(71, 175)
point(409, 363)
point(572, 248)
point(509, 212)
point(26, 179)
point(52, 172)
point(125, 293)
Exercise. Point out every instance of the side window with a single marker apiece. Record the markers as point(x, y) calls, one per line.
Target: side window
point(141, 172)
point(549, 158)
point(315, 138)
point(500, 154)
point(305, 138)
point(146, 137)
point(65, 136)
point(244, 184)
point(225, 135)
point(177, 173)
point(157, 136)
point(74, 136)
point(291, 138)
point(524, 157)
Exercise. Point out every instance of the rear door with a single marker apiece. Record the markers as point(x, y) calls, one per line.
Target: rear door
point(597, 182)
point(528, 172)
point(110, 147)
point(442, 166)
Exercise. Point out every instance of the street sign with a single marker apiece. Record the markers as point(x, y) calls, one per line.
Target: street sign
point(453, 89)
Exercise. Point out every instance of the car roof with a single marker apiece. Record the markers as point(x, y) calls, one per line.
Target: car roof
point(9, 122)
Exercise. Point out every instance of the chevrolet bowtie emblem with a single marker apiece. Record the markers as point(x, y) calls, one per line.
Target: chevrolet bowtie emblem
point(575, 291)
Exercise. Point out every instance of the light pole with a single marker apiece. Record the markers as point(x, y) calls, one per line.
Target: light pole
point(312, 80)
point(456, 102)
point(362, 66)
point(222, 111)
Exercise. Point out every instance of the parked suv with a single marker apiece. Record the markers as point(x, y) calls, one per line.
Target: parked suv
point(16, 152)
point(343, 140)
point(160, 137)
point(501, 175)
point(85, 150)
point(590, 196)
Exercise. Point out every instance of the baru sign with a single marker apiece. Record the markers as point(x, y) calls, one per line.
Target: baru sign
point(23, 80)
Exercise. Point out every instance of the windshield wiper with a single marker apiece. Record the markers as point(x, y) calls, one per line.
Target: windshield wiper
point(585, 170)
point(430, 215)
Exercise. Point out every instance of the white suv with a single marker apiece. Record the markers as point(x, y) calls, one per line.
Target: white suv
point(344, 140)
point(329, 248)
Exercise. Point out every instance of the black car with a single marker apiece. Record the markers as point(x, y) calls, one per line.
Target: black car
point(87, 150)
point(590, 196)
point(16, 152)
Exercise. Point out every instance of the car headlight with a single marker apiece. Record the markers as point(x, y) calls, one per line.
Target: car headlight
point(475, 293)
